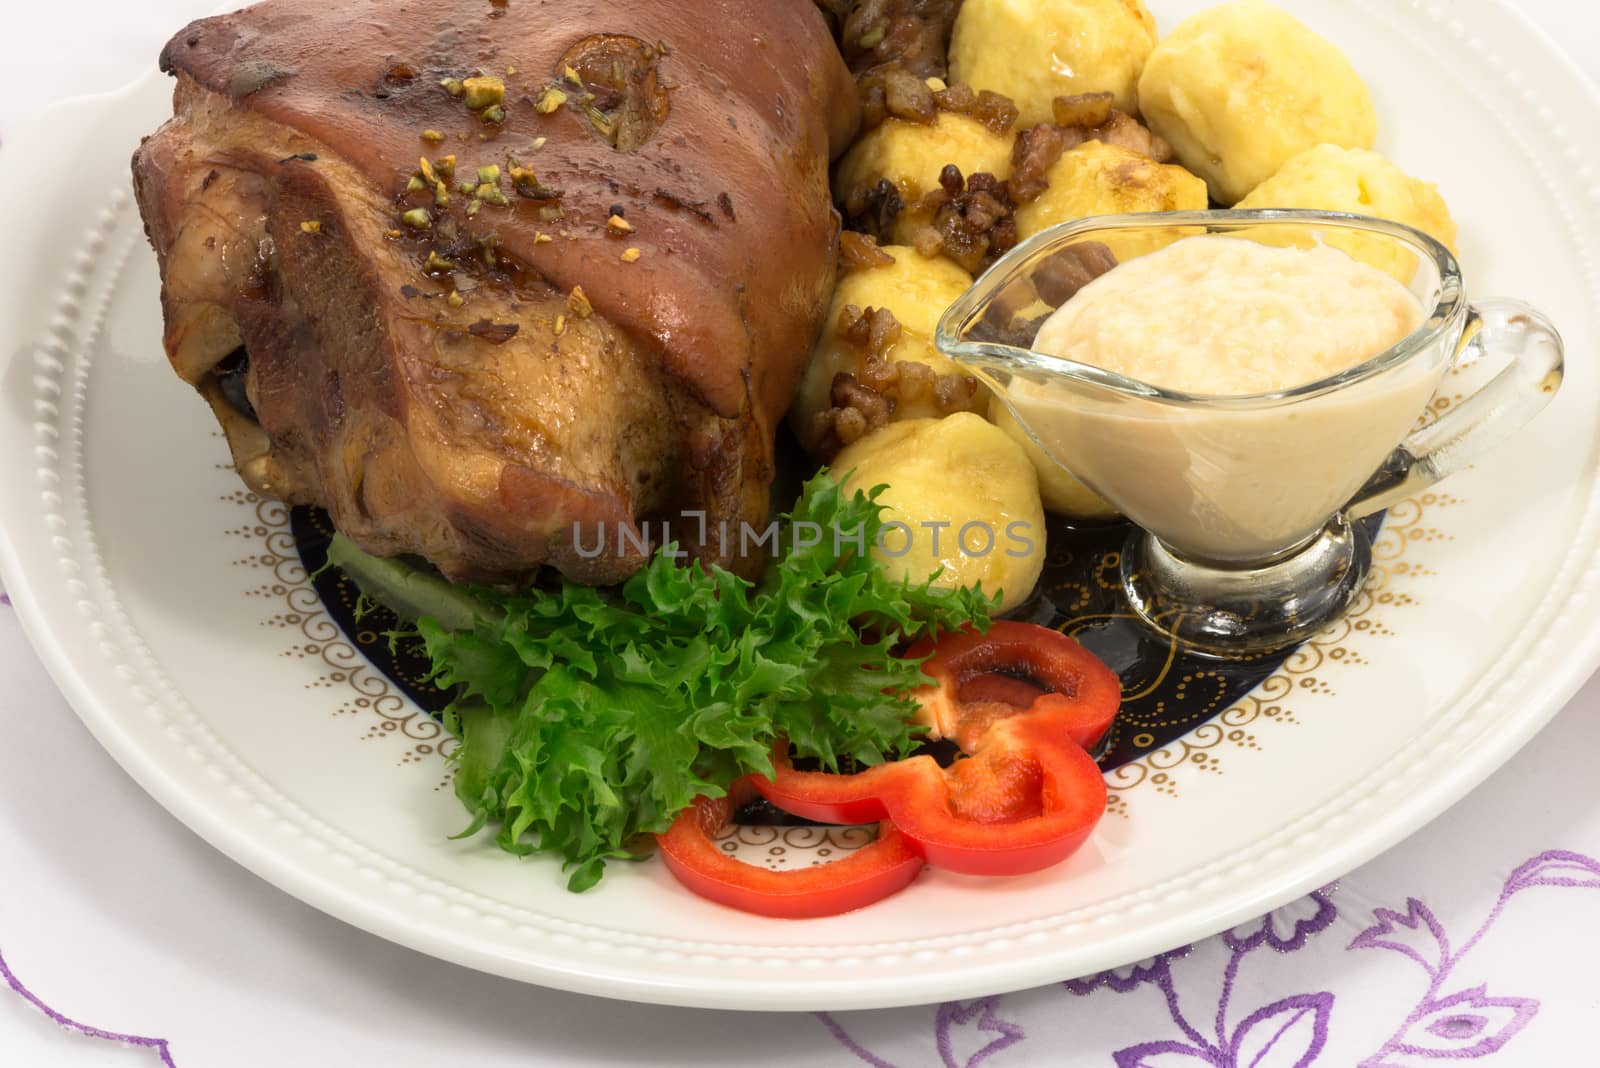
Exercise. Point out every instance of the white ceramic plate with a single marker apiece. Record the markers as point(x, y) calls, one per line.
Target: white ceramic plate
point(173, 613)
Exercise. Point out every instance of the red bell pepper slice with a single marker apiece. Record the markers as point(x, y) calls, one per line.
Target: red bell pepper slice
point(869, 874)
point(1022, 702)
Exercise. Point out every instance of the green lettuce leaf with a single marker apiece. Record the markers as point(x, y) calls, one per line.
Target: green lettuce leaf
point(589, 718)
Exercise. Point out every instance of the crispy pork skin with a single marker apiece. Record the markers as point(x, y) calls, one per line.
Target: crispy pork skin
point(498, 283)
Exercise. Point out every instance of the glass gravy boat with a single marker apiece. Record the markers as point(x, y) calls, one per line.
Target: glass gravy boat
point(1247, 504)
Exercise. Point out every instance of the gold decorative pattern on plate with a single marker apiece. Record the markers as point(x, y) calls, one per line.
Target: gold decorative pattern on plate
point(1180, 711)
point(1307, 670)
point(781, 848)
point(294, 606)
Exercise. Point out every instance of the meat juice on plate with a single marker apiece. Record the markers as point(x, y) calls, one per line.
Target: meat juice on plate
point(1227, 321)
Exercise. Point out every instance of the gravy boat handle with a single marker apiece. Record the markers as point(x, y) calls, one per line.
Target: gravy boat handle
point(1496, 328)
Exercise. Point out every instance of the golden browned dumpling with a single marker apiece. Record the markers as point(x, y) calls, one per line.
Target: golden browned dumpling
point(968, 500)
point(1241, 89)
point(1036, 50)
point(1355, 180)
point(912, 154)
point(916, 290)
point(1060, 492)
point(1101, 179)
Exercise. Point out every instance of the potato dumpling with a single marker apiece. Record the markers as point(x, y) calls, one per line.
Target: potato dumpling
point(1241, 89)
point(1101, 179)
point(1036, 50)
point(1060, 492)
point(917, 290)
point(966, 500)
point(912, 154)
point(1351, 179)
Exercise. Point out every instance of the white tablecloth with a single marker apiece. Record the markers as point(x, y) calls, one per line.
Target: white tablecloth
point(130, 942)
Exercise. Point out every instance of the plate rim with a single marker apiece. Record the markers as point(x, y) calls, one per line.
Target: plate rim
point(101, 715)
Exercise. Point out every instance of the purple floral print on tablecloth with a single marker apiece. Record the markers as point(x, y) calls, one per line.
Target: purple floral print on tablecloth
point(1290, 1031)
point(160, 1046)
point(1451, 1021)
point(973, 1022)
point(1129, 976)
point(1463, 1023)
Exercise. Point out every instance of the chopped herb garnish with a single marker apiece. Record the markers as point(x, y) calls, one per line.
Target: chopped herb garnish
point(490, 193)
point(578, 303)
point(484, 91)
